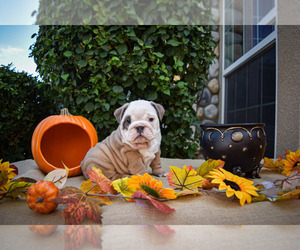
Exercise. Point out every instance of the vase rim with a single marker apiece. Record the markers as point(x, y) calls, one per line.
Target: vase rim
point(232, 125)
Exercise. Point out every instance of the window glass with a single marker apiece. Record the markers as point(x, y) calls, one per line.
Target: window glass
point(250, 94)
point(244, 29)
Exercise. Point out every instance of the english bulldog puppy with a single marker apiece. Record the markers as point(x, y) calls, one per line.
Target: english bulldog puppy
point(131, 148)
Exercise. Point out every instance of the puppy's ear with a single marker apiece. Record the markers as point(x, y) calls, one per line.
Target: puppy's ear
point(159, 109)
point(120, 112)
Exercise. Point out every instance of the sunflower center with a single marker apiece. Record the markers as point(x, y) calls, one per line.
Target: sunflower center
point(296, 163)
point(233, 185)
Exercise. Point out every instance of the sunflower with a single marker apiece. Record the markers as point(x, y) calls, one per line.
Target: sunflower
point(291, 162)
point(151, 186)
point(4, 168)
point(234, 185)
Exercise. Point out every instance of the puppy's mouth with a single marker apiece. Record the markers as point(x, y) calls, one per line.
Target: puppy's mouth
point(141, 141)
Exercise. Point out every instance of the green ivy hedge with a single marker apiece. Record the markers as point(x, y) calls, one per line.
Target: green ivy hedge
point(116, 12)
point(95, 69)
point(23, 105)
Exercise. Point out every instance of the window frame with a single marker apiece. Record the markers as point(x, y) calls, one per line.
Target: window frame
point(270, 19)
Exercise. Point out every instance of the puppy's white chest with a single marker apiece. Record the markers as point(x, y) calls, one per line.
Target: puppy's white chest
point(147, 157)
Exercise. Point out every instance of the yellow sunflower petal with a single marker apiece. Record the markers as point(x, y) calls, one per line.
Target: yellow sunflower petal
point(229, 192)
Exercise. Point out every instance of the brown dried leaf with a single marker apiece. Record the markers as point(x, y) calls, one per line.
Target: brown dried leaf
point(79, 206)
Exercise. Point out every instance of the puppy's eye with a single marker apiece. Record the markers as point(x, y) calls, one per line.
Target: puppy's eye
point(128, 120)
point(151, 119)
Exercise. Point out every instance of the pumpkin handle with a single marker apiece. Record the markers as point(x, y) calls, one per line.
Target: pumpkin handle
point(64, 111)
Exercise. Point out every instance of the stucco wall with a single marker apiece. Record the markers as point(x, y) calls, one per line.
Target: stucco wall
point(288, 91)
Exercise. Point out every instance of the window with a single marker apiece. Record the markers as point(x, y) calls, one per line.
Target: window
point(249, 68)
point(250, 92)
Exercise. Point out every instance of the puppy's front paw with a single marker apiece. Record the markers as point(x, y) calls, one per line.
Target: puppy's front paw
point(160, 174)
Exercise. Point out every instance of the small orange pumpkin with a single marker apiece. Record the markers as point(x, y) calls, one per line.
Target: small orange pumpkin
point(39, 197)
point(62, 139)
point(43, 230)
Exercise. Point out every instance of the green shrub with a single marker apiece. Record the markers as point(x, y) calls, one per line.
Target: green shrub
point(23, 105)
point(116, 12)
point(95, 69)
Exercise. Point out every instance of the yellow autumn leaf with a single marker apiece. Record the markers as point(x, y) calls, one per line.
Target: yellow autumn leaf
point(122, 187)
point(89, 188)
point(185, 178)
point(273, 165)
point(209, 165)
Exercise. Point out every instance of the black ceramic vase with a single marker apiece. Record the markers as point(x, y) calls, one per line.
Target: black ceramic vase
point(241, 146)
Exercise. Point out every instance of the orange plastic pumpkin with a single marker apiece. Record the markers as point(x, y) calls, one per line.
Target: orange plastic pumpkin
point(62, 139)
point(43, 230)
point(39, 197)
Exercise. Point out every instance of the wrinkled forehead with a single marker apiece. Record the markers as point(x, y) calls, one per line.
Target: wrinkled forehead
point(140, 109)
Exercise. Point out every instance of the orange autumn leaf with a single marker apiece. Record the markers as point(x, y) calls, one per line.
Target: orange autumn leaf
point(79, 205)
point(98, 177)
point(273, 165)
point(76, 235)
point(90, 188)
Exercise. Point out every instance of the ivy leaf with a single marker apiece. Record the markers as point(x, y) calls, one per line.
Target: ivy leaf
point(82, 63)
point(79, 206)
point(98, 177)
point(173, 42)
point(122, 49)
point(58, 176)
point(121, 186)
point(65, 77)
point(185, 178)
point(16, 188)
point(158, 54)
point(68, 53)
point(118, 89)
point(159, 205)
point(89, 106)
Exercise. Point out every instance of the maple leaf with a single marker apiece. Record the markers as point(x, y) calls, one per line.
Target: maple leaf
point(98, 177)
point(275, 166)
point(79, 205)
point(122, 187)
point(159, 205)
point(89, 188)
point(76, 235)
point(185, 178)
point(16, 188)
point(204, 171)
point(58, 176)
point(209, 165)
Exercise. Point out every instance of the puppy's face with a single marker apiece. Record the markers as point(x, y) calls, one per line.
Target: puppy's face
point(139, 123)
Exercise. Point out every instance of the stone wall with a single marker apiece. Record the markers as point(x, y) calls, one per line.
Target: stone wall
point(207, 106)
point(208, 100)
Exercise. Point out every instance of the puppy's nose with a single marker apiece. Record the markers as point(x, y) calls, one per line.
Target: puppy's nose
point(139, 129)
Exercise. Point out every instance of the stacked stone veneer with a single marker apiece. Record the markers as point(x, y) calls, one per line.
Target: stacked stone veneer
point(207, 106)
point(208, 99)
